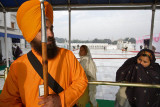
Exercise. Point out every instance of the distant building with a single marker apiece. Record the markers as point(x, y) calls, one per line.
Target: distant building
point(123, 44)
point(93, 46)
point(14, 35)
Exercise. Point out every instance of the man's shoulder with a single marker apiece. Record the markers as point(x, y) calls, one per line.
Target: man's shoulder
point(66, 53)
point(62, 50)
point(21, 58)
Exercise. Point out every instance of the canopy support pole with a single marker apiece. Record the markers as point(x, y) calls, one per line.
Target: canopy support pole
point(152, 26)
point(69, 28)
point(6, 46)
point(44, 49)
point(69, 11)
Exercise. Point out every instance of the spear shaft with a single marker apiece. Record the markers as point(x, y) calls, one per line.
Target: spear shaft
point(44, 49)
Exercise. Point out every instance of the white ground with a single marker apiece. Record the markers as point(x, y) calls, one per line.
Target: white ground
point(106, 70)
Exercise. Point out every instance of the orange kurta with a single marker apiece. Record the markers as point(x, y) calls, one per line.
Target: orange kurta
point(21, 86)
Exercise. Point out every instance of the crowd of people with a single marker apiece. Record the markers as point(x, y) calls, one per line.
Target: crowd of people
point(68, 77)
point(147, 47)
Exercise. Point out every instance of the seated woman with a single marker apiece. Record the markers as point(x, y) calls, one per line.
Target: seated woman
point(139, 69)
point(90, 69)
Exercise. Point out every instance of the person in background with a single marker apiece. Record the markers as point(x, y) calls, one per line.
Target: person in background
point(126, 48)
point(1, 58)
point(90, 69)
point(154, 49)
point(123, 49)
point(139, 69)
point(16, 50)
point(145, 46)
point(67, 80)
point(141, 47)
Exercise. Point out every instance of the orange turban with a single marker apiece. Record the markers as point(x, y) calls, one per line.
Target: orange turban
point(29, 18)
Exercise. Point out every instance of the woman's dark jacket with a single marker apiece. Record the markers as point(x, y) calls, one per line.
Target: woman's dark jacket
point(132, 72)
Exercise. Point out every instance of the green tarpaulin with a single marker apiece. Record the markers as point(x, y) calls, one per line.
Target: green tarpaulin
point(103, 103)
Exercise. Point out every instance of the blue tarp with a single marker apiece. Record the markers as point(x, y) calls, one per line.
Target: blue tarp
point(8, 4)
point(11, 35)
point(17, 3)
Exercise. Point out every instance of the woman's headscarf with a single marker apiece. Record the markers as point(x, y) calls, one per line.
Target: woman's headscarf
point(29, 18)
point(87, 50)
point(133, 72)
point(149, 53)
point(88, 64)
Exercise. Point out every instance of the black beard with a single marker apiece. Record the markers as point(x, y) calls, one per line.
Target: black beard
point(52, 49)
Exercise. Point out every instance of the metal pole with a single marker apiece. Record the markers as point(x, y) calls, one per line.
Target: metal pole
point(44, 49)
point(69, 10)
point(6, 72)
point(152, 26)
point(124, 84)
point(6, 46)
point(2, 76)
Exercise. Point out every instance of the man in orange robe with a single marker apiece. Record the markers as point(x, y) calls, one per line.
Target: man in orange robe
point(21, 88)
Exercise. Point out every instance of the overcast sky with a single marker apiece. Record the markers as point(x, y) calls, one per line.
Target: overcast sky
point(108, 24)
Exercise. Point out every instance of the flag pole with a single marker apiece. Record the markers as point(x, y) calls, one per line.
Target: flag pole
point(44, 49)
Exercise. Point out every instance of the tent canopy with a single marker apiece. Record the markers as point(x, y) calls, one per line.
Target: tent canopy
point(12, 5)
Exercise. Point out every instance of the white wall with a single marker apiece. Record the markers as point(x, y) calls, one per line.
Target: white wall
point(22, 43)
point(91, 45)
point(9, 49)
point(1, 19)
point(8, 19)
